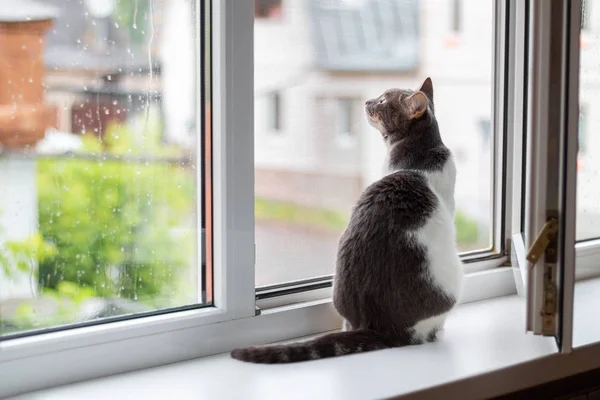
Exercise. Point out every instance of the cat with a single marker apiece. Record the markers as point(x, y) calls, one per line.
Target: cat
point(398, 273)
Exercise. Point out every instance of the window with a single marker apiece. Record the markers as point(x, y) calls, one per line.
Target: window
point(456, 16)
point(103, 220)
point(585, 15)
point(274, 112)
point(346, 116)
point(588, 203)
point(158, 208)
point(485, 130)
point(306, 186)
point(582, 133)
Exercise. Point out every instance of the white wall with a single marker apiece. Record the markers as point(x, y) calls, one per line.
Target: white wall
point(18, 220)
point(178, 73)
point(282, 61)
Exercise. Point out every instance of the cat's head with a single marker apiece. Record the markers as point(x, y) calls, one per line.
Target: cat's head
point(396, 112)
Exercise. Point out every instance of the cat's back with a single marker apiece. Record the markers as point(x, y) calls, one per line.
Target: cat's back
point(404, 218)
point(385, 218)
point(399, 244)
point(401, 200)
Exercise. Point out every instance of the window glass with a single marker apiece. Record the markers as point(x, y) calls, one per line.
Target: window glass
point(588, 166)
point(347, 113)
point(98, 138)
point(316, 52)
point(585, 15)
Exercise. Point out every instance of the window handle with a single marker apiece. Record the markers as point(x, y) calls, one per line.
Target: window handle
point(540, 244)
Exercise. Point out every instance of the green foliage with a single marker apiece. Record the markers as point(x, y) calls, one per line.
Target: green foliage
point(108, 227)
point(111, 222)
point(20, 255)
point(467, 231)
point(134, 17)
point(69, 291)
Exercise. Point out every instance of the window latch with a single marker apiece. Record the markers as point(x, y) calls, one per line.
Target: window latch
point(544, 238)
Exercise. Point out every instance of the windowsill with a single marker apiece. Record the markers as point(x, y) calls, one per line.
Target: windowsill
point(483, 340)
point(586, 324)
point(479, 337)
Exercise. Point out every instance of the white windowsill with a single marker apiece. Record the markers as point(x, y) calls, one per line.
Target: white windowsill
point(479, 337)
point(484, 352)
point(586, 324)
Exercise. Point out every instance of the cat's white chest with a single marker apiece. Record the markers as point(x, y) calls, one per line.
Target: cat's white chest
point(439, 236)
point(444, 268)
point(443, 182)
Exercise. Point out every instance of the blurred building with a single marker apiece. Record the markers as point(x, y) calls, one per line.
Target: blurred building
point(317, 61)
point(105, 62)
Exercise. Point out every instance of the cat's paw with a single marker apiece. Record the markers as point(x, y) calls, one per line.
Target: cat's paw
point(346, 326)
point(435, 335)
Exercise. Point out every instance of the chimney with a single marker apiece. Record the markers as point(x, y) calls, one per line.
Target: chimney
point(24, 117)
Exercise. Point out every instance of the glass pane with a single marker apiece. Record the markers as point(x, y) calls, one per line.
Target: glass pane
point(588, 166)
point(98, 133)
point(586, 325)
point(325, 58)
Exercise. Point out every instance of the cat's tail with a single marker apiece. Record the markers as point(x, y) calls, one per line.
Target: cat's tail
point(330, 345)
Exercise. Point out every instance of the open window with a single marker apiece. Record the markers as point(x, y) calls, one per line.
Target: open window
point(306, 183)
point(172, 214)
point(544, 247)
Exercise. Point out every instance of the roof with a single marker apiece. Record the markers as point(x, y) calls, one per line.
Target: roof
point(27, 10)
point(78, 40)
point(365, 35)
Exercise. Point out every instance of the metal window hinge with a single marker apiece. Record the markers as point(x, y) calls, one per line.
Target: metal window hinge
point(546, 245)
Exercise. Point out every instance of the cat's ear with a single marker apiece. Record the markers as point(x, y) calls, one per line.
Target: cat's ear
point(416, 105)
point(427, 88)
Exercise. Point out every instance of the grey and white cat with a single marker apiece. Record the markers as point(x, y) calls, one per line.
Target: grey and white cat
point(398, 274)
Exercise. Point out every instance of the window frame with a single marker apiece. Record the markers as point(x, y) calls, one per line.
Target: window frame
point(587, 252)
point(552, 108)
point(26, 364)
point(497, 255)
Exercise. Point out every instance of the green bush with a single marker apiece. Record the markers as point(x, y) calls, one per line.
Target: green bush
point(19, 256)
point(111, 222)
point(467, 232)
point(133, 18)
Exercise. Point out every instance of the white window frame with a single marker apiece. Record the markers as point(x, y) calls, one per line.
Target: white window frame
point(587, 253)
point(29, 363)
point(552, 135)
